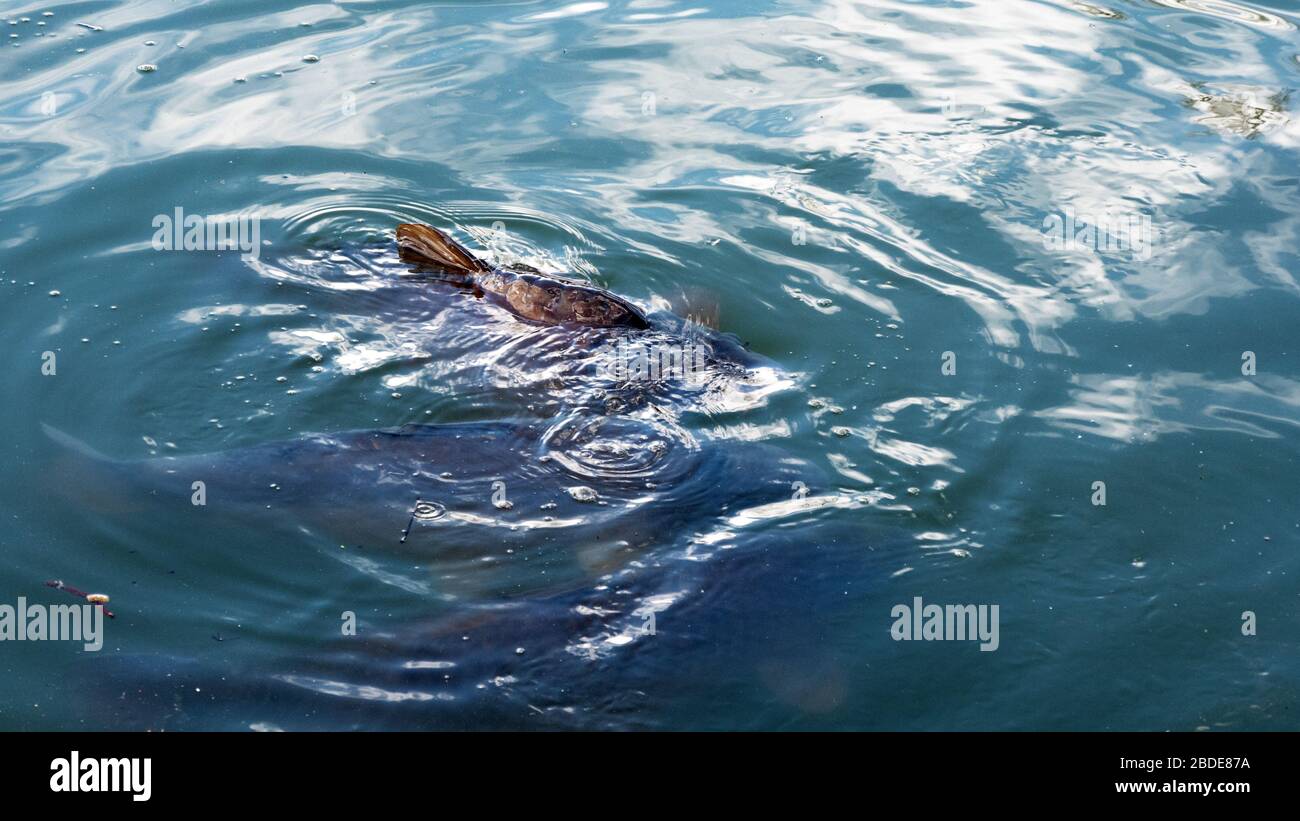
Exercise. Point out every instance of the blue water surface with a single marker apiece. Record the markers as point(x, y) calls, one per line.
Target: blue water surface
point(887, 214)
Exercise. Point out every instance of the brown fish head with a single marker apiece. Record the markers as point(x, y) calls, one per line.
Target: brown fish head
point(544, 298)
point(587, 305)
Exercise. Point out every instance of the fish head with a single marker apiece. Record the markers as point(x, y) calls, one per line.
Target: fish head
point(553, 300)
point(595, 306)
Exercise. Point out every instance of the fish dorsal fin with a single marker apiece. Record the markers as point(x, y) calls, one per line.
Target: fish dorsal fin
point(425, 245)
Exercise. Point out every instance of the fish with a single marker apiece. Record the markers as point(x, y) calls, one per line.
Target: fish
point(610, 471)
point(477, 501)
point(606, 471)
point(537, 658)
point(563, 533)
point(524, 291)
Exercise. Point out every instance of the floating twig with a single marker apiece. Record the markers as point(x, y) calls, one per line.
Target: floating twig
point(410, 521)
point(97, 599)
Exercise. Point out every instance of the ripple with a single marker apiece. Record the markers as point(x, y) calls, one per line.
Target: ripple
point(1236, 12)
point(428, 511)
point(617, 449)
point(363, 692)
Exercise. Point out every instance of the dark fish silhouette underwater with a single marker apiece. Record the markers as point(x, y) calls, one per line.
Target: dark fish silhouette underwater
point(536, 509)
point(575, 476)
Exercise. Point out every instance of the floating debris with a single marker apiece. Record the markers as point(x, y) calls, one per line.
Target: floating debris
point(94, 598)
point(582, 493)
point(1242, 110)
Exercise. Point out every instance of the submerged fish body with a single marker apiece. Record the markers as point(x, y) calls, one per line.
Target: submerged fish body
point(612, 462)
point(605, 466)
point(564, 533)
point(592, 491)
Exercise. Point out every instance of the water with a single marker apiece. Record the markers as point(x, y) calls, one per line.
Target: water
point(857, 192)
